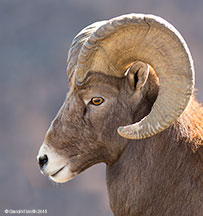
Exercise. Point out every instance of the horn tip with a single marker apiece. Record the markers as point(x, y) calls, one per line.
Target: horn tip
point(126, 132)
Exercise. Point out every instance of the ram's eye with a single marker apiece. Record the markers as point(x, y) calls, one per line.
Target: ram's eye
point(97, 101)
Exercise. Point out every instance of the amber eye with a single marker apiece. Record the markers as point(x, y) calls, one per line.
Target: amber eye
point(97, 101)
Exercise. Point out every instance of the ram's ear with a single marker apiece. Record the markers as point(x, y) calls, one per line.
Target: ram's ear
point(137, 75)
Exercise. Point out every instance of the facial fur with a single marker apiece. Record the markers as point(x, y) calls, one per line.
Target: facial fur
point(87, 134)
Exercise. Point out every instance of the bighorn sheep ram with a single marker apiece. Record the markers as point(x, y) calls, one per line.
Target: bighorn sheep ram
point(133, 70)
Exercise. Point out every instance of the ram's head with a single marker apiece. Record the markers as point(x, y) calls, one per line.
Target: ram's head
point(133, 70)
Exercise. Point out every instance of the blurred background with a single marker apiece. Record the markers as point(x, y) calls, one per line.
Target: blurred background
point(35, 36)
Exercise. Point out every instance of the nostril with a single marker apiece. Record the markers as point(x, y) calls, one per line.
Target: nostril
point(42, 160)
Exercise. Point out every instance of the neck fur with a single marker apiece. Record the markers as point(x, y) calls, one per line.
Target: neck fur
point(156, 173)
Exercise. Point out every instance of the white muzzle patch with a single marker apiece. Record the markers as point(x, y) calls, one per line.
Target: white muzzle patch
point(57, 167)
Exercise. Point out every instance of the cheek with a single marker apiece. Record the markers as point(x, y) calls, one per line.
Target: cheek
point(98, 117)
point(104, 123)
point(117, 117)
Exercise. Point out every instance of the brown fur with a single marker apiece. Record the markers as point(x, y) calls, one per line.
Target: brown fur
point(161, 175)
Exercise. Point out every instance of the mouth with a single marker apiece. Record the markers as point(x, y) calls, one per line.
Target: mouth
point(63, 175)
point(58, 171)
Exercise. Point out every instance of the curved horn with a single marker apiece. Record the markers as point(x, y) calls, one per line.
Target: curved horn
point(115, 44)
point(76, 45)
